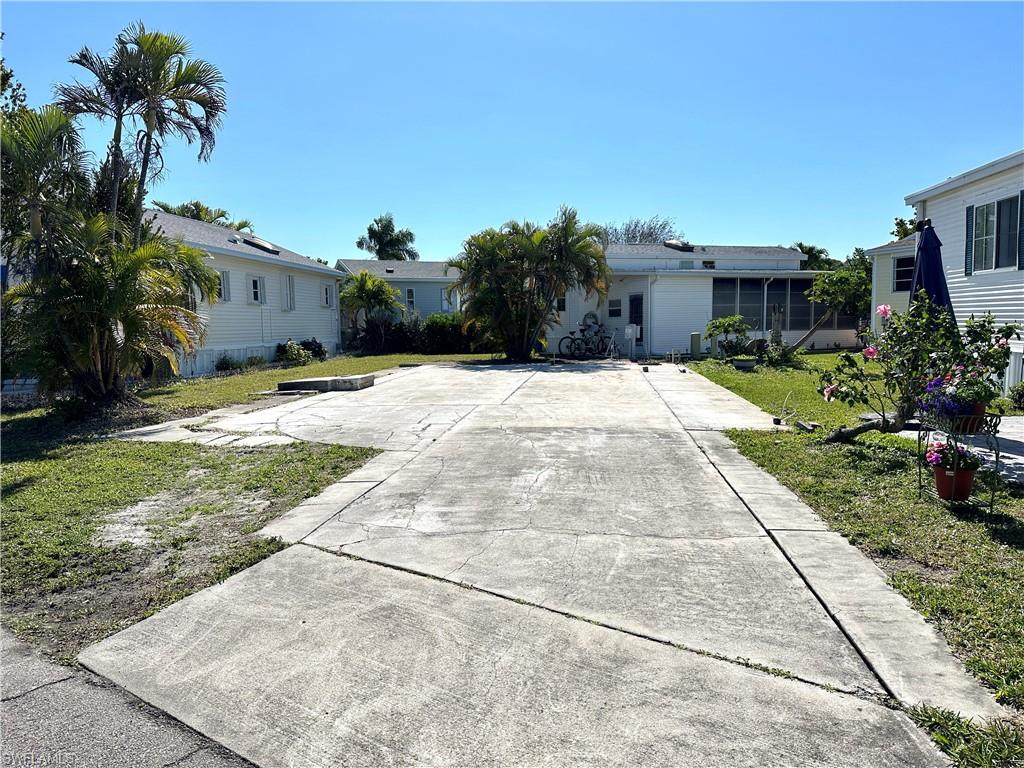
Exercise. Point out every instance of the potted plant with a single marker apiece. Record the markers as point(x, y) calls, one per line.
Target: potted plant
point(960, 396)
point(954, 467)
point(744, 362)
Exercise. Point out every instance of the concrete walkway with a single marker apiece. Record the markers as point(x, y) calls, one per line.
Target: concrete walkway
point(549, 564)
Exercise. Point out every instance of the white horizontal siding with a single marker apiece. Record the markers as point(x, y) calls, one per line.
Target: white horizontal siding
point(682, 305)
point(998, 291)
point(428, 295)
point(236, 326)
point(881, 278)
point(697, 259)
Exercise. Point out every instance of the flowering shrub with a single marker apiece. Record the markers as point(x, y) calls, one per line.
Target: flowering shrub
point(920, 360)
point(945, 455)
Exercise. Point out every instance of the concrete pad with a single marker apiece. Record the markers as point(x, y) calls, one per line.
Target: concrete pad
point(299, 522)
point(344, 663)
point(736, 597)
point(327, 384)
point(906, 651)
point(700, 404)
point(381, 467)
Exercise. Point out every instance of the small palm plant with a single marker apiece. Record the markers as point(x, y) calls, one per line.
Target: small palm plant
point(104, 309)
point(373, 298)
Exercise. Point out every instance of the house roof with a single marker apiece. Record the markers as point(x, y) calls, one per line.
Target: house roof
point(402, 270)
point(903, 244)
point(658, 250)
point(217, 239)
point(981, 172)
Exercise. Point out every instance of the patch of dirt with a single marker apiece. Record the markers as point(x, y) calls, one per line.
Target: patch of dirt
point(168, 546)
point(893, 565)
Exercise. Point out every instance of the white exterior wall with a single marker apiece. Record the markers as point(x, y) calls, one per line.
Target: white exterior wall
point(682, 305)
point(242, 329)
point(427, 293)
point(881, 287)
point(696, 258)
point(1000, 291)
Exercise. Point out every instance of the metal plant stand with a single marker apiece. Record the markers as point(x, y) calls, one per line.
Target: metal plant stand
point(950, 427)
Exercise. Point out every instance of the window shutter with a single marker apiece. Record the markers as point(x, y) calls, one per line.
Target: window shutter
point(1020, 230)
point(969, 240)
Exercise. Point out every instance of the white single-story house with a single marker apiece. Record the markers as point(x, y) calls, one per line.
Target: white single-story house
point(422, 285)
point(979, 217)
point(268, 294)
point(674, 289)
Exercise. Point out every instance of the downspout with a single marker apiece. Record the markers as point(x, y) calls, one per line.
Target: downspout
point(651, 280)
point(764, 306)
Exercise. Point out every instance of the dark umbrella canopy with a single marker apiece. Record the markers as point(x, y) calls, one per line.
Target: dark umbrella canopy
point(928, 272)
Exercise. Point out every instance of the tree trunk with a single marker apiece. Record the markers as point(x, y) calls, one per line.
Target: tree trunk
point(800, 342)
point(115, 170)
point(140, 193)
point(847, 434)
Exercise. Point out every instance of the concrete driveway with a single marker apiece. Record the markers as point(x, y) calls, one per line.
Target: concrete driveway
point(547, 566)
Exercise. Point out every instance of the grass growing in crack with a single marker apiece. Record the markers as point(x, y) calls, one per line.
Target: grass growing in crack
point(962, 571)
point(95, 534)
point(999, 744)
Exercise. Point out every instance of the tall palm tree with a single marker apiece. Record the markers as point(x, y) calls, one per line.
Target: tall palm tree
point(46, 166)
point(386, 242)
point(109, 311)
point(112, 96)
point(817, 257)
point(196, 209)
point(178, 96)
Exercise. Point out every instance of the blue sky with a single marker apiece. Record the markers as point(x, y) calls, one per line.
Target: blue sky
point(747, 123)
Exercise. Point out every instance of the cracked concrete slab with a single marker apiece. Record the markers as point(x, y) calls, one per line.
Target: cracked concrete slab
point(700, 404)
point(301, 521)
point(348, 663)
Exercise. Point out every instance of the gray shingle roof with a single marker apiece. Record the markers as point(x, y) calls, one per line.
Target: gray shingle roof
point(204, 235)
point(657, 250)
point(402, 270)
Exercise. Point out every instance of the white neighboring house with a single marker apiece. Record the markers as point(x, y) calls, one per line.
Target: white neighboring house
point(268, 294)
point(422, 285)
point(979, 217)
point(673, 289)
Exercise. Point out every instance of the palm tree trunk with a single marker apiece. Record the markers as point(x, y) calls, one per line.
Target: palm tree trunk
point(802, 340)
point(140, 193)
point(115, 170)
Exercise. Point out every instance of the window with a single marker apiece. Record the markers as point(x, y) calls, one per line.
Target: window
point(723, 297)
point(984, 236)
point(751, 302)
point(560, 304)
point(446, 303)
point(410, 299)
point(287, 293)
point(902, 274)
point(257, 289)
point(1007, 212)
point(708, 264)
point(614, 307)
point(799, 305)
point(224, 286)
point(327, 293)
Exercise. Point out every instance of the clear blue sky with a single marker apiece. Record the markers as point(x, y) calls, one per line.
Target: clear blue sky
point(749, 124)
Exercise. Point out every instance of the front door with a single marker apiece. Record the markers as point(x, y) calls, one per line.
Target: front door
point(636, 314)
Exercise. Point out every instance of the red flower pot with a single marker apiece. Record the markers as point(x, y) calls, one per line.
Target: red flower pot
point(969, 425)
point(954, 486)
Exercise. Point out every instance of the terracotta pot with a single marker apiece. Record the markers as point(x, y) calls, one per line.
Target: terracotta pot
point(954, 486)
point(969, 425)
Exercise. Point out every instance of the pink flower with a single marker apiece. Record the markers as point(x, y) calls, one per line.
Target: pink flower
point(884, 311)
point(1003, 343)
point(870, 352)
point(830, 392)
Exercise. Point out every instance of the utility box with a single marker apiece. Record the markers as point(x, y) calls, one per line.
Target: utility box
point(631, 332)
point(695, 344)
point(714, 347)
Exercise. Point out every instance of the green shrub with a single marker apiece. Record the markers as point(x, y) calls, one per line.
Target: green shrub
point(255, 361)
point(315, 348)
point(291, 353)
point(1016, 396)
point(227, 363)
point(444, 335)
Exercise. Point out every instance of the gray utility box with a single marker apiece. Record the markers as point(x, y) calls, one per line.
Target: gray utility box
point(327, 384)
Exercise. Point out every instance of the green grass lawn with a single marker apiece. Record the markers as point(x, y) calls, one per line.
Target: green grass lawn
point(963, 571)
point(96, 534)
point(200, 394)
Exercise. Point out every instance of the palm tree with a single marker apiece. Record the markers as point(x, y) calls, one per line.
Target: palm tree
point(196, 209)
point(511, 277)
point(387, 243)
point(46, 166)
point(817, 257)
point(108, 311)
point(178, 96)
point(113, 96)
point(368, 294)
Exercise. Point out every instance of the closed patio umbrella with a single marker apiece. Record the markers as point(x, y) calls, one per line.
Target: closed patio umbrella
point(928, 272)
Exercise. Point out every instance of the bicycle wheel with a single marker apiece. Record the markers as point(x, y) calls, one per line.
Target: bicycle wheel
point(565, 345)
point(577, 348)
